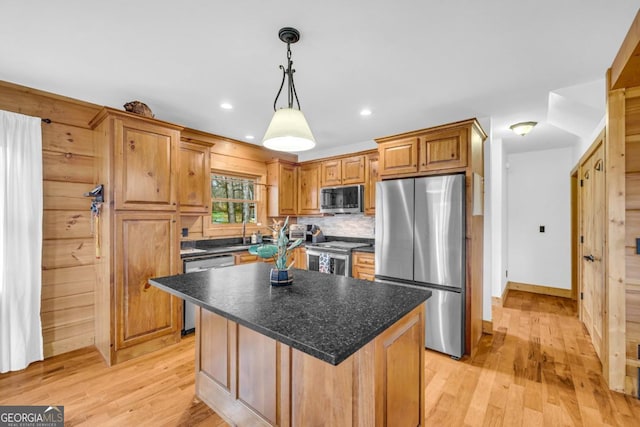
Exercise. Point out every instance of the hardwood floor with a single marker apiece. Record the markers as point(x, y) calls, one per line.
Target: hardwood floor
point(537, 369)
point(154, 390)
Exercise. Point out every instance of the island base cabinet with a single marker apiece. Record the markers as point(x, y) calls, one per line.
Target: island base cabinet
point(252, 380)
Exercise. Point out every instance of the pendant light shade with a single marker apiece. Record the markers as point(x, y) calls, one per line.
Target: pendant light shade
point(289, 131)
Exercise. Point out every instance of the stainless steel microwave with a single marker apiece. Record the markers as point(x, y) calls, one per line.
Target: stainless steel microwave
point(344, 199)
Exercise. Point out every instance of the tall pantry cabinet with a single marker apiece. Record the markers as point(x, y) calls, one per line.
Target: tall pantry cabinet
point(136, 234)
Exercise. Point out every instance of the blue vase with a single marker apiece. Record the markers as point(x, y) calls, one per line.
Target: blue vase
point(280, 277)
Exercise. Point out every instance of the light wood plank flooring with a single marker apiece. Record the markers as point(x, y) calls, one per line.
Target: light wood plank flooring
point(538, 369)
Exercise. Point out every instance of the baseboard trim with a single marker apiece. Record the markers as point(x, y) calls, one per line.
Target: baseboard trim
point(505, 293)
point(487, 327)
point(536, 289)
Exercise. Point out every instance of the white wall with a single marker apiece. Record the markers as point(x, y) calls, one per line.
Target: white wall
point(538, 194)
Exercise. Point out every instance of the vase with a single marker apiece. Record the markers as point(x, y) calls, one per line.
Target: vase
point(280, 277)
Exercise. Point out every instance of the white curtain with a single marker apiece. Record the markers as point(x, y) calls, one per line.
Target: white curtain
point(20, 240)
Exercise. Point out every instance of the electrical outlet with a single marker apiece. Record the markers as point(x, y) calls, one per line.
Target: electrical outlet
point(542, 228)
point(185, 232)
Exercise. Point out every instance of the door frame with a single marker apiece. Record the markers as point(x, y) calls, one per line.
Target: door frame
point(575, 236)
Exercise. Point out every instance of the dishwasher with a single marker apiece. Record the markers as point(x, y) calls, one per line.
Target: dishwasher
point(201, 263)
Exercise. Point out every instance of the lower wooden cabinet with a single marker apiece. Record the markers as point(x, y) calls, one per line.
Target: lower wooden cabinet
point(251, 379)
point(300, 256)
point(244, 258)
point(133, 317)
point(363, 266)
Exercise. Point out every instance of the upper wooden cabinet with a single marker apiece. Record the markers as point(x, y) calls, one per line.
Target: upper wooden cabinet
point(194, 192)
point(309, 189)
point(353, 170)
point(371, 174)
point(281, 188)
point(343, 171)
point(331, 173)
point(443, 150)
point(145, 161)
point(398, 156)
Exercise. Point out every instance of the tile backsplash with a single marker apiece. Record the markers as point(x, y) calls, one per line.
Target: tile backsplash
point(351, 225)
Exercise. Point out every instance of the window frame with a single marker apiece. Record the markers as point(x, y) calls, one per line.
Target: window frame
point(236, 201)
point(213, 229)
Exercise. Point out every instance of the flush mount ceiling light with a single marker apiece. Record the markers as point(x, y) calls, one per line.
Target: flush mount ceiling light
point(288, 130)
point(523, 128)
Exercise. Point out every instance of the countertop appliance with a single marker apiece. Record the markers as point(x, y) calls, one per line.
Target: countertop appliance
point(331, 257)
point(200, 263)
point(297, 231)
point(343, 199)
point(420, 241)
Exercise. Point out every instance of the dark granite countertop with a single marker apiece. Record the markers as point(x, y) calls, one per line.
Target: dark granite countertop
point(327, 316)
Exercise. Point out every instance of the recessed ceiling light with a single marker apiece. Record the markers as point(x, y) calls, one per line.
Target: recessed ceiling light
point(365, 112)
point(249, 136)
point(226, 106)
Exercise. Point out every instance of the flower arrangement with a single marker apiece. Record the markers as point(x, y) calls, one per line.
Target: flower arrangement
point(278, 251)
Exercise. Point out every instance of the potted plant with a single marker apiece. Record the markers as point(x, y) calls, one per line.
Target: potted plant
point(281, 275)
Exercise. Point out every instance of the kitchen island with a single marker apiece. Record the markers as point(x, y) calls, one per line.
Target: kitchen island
point(328, 350)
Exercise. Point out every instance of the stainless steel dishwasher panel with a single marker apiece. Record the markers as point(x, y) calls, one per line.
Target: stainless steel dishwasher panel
point(202, 263)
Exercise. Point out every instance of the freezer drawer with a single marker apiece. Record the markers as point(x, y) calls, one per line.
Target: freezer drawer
point(444, 322)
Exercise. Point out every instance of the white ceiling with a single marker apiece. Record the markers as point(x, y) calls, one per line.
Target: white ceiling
point(415, 63)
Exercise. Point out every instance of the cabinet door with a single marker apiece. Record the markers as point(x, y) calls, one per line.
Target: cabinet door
point(399, 157)
point(287, 189)
point(145, 246)
point(331, 173)
point(309, 189)
point(194, 192)
point(443, 150)
point(371, 172)
point(244, 258)
point(282, 189)
point(301, 258)
point(363, 273)
point(353, 170)
point(145, 165)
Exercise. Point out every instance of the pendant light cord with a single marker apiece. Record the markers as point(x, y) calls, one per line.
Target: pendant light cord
point(291, 87)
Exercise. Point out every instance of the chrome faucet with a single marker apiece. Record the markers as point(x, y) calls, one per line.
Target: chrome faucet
point(244, 232)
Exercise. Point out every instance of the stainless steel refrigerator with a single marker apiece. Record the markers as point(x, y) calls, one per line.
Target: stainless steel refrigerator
point(420, 241)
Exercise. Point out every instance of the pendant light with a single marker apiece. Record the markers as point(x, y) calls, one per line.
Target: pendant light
point(288, 130)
